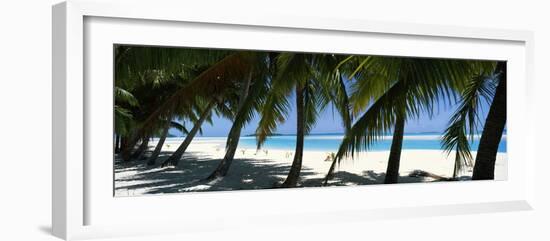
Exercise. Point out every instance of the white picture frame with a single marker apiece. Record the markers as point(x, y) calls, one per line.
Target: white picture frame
point(77, 196)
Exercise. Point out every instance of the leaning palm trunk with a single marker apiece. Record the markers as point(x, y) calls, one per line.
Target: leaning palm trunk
point(117, 144)
point(392, 171)
point(484, 167)
point(233, 137)
point(456, 168)
point(294, 173)
point(330, 173)
point(158, 148)
point(127, 145)
point(233, 142)
point(176, 156)
point(138, 154)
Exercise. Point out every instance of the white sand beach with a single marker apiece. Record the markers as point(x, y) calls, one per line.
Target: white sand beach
point(253, 169)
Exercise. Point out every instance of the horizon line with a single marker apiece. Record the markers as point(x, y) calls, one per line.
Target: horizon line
point(319, 133)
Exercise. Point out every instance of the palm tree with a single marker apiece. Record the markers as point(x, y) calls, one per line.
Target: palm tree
point(117, 143)
point(143, 146)
point(313, 79)
point(152, 159)
point(250, 98)
point(176, 156)
point(216, 82)
point(294, 72)
point(149, 89)
point(202, 73)
point(233, 136)
point(392, 171)
point(401, 88)
point(145, 68)
point(464, 122)
point(123, 118)
point(488, 86)
point(484, 168)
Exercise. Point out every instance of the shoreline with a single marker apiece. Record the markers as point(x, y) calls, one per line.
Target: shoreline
point(222, 143)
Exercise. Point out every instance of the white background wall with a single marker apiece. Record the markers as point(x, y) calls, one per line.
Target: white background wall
point(25, 116)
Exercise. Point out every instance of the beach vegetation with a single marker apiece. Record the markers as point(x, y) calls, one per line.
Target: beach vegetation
point(158, 89)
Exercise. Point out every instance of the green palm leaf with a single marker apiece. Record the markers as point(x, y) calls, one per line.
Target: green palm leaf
point(213, 82)
point(464, 123)
point(122, 95)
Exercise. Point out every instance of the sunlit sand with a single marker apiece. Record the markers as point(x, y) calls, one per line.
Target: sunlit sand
point(263, 169)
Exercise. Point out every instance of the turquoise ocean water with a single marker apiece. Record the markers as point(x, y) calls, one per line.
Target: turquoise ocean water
point(331, 142)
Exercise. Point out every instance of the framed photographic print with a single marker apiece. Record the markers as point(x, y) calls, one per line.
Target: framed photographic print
point(205, 122)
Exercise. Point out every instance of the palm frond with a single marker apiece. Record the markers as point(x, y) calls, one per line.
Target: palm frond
point(374, 123)
point(131, 61)
point(291, 71)
point(274, 111)
point(122, 95)
point(211, 83)
point(333, 85)
point(464, 123)
point(123, 120)
point(178, 126)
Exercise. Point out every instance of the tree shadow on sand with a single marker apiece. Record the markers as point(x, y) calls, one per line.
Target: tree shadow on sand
point(193, 168)
point(343, 178)
point(244, 174)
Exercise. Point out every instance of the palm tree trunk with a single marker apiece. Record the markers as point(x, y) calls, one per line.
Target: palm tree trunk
point(126, 147)
point(232, 138)
point(484, 167)
point(138, 154)
point(456, 169)
point(294, 173)
point(158, 148)
point(330, 173)
point(117, 144)
point(232, 143)
point(392, 172)
point(176, 156)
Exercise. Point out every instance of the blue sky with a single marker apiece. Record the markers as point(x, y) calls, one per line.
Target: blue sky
point(329, 122)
